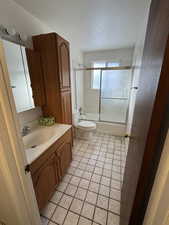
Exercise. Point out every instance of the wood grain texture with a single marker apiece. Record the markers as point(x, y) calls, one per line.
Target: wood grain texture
point(149, 121)
point(66, 107)
point(48, 169)
point(55, 61)
point(45, 180)
point(64, 154)
point(64, 63)
point(36, 77)
point(46, 45)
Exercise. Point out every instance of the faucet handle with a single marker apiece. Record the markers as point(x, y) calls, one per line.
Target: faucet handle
point(25, 130)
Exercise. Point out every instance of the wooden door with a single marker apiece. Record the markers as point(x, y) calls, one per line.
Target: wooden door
point(36, 77)
point(45, 181)
point(66, 107)
point(64, 62)
point(150, 121)
point(64, 153)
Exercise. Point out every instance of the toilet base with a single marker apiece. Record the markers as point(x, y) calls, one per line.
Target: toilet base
point(83, 134)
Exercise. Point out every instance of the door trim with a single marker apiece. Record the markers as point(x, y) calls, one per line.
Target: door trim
point(158, 129)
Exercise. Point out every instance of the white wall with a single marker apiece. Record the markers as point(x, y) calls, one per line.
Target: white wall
point(78, 86)
point(158, 208)
point(13, 15)
point(137, 60)
point(79, 90)
point(123, 56)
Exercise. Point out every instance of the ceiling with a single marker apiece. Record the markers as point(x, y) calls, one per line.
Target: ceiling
point(91, 24)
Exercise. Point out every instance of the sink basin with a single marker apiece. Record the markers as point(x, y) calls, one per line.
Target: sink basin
point(41, 138)
point(38, 137)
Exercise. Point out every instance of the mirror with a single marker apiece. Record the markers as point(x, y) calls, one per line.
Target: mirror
point(16, 61)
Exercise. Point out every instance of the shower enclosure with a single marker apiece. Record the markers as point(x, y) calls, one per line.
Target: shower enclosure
point(102, 94)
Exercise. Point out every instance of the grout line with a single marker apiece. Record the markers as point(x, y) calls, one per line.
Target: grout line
point(109, 177)
point(87, 149)
point(109, 194)
point(83, 202)
point(97, 196)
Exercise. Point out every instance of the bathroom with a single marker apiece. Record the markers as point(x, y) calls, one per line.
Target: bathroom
point(76, 167)
point(68, 100)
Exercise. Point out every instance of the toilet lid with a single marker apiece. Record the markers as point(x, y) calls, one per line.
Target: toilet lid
point(87, 124)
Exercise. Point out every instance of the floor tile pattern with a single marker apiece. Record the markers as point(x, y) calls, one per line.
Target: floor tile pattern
point(90, 192)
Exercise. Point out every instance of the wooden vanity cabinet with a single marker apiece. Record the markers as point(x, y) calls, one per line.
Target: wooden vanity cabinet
point(55, 63)
point(45, 179)
point(64, 154)
point(49, 168)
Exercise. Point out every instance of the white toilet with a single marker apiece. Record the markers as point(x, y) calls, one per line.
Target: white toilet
point(83, 129)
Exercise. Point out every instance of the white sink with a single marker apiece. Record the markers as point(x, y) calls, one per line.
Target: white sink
point(41, 138)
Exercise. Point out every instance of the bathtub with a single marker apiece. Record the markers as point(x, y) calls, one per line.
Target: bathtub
point(117, 129)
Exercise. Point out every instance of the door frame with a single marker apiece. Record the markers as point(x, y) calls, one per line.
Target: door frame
point(20, 206)
point(158, 207)
point(154, 146)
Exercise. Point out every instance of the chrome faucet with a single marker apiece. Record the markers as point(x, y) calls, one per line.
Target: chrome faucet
point(25, 130)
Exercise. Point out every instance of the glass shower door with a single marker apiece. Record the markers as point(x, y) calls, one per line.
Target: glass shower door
point(114, 95)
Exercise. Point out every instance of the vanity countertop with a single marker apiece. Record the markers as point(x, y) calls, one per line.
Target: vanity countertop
point(41, 138)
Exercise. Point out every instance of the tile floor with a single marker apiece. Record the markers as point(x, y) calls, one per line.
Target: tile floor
point(90, 191)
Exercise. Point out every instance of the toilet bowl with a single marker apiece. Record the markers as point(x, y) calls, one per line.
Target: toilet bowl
point(83, 129)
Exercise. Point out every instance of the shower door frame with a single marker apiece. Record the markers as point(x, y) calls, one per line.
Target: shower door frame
point(100, 97)
point(101, 69)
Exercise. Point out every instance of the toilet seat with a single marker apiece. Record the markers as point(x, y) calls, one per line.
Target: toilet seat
point(87, 125)
point(83, 129)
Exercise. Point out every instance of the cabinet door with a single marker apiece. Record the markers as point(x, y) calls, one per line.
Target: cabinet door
point(36, 76)
point(45, 180)
point(66, 107)
point(64, 153)
point(64, 63)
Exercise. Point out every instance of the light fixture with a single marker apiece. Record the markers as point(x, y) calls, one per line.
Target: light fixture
point(10, 34)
